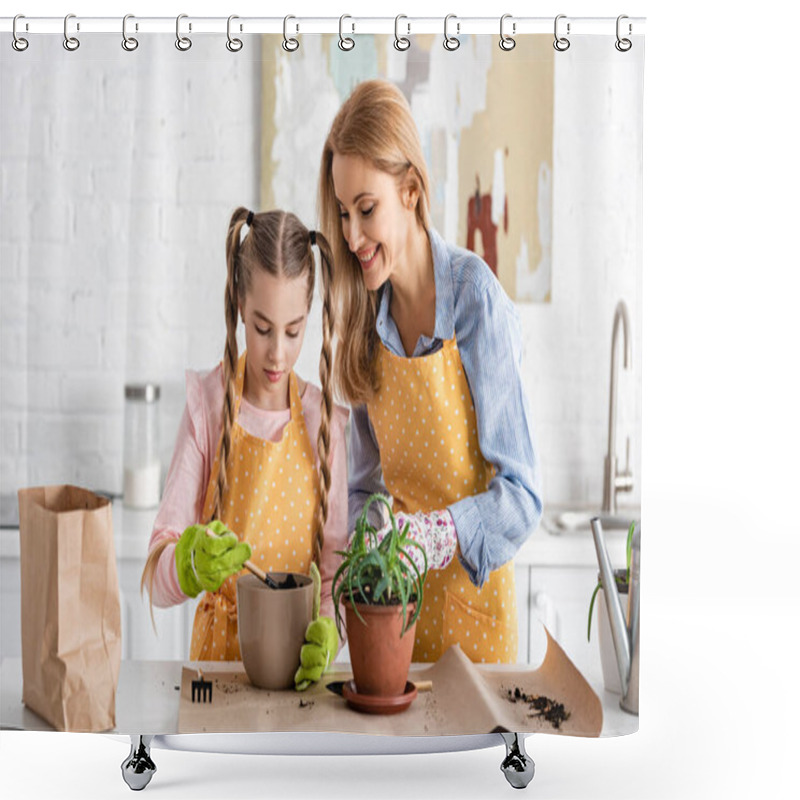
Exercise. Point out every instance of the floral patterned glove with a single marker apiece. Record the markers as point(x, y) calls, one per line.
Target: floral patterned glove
point(434, 531)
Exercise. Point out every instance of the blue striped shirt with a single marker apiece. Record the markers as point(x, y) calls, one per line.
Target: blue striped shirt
point(470, 304)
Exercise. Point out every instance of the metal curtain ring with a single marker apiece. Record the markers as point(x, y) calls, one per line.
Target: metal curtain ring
point(70, 42)
point(623, 45)
point(183, 43)
point(560, 43)
point(451, 42)
point(289, 44)
point(234, 45)
point(401, 42)
point(18, 43)
point(128, 42)
point(507, 42)
point(345, 42)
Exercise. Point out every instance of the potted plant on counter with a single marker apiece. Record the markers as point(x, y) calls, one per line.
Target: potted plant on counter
point(608, 657)
point(381, 590)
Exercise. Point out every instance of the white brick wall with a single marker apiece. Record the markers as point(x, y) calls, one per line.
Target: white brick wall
point(597, 257)
point(119, 173)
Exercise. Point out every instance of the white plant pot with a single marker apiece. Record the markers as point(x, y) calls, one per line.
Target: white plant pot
point(608, 656)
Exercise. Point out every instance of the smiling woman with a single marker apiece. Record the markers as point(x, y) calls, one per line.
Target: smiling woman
point(427, 325)
point(381, 171)
point(381, 228)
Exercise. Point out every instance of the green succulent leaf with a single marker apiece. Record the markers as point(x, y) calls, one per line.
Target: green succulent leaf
point(379, 572)
point(591, 608)
point(628, 546)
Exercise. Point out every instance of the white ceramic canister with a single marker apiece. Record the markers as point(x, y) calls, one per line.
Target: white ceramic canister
point(141, 464)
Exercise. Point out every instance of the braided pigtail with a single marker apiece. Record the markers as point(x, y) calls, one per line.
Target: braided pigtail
point(231, 357)
point(326, 383)
point(149, 573)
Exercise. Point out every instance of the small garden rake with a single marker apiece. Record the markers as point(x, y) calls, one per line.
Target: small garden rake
point(201, 689)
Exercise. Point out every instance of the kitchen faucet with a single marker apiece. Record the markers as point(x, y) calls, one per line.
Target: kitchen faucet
point(614, 481)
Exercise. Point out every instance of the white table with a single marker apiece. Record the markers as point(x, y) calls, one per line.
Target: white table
point(147, 701)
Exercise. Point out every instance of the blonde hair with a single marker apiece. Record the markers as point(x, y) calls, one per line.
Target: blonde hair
point(279, 244)
point(374, 123)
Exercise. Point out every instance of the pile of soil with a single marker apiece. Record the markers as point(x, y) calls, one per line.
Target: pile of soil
point(541, 706)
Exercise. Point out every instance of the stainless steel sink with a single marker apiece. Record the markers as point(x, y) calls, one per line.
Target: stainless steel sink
point(578, 520)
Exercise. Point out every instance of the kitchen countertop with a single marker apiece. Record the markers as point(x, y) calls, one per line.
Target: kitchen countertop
point(548, 546)
point(147, 700)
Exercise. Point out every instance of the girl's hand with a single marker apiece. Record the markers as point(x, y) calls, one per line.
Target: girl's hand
point(434, 531)
point(204, 561)
point(322, 642)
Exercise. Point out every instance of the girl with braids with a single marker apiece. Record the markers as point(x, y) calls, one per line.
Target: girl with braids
point(428, 356)
point(260, 457)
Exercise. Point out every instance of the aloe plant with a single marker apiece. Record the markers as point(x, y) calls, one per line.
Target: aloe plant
point(617, 579)
point(379, 573)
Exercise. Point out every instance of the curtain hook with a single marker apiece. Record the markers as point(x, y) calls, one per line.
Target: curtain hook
point(289, 44)
point(234, 45)
point(18, 43)
point(623, 45)
point(345, 42)
point(71, 43)
point(451, 42)
point(507, 42)
point(129, 43)
point(401, 42)
point(183, 43)
point(560, 43)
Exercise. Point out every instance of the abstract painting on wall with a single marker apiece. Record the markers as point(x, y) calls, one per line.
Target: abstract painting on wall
point(486, 128)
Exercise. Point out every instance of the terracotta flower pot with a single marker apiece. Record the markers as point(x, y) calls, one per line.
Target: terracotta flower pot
point(272, 628)
point(380, 658)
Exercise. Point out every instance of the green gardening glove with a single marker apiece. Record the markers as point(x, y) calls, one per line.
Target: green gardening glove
point(322, 642)
point(204, 561)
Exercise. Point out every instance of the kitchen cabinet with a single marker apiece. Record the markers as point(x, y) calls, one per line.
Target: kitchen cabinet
point(556, 573)
point(557, 598)
point(170, 637)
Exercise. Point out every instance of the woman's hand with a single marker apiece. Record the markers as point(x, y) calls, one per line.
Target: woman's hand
point(204, 560)
point(435, 532)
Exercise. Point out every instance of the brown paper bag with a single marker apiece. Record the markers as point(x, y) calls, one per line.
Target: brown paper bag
point(71, 643)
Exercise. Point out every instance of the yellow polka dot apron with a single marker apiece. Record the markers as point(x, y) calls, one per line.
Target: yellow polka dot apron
point(425, 423)
point(270, 504)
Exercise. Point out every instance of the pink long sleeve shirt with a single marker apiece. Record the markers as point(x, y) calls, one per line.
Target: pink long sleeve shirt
point(190, 470)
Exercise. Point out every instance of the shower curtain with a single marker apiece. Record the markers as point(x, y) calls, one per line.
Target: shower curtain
point(120, 173)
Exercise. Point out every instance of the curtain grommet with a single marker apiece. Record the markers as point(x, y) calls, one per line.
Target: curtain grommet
point(451, 43)
point(345, 42)
point(71, 43)
point(560, 43)
point(183, 43)
point(129, 43)
point(234, 45)
point(401, 43)
point(18, 42)
point(507, 43)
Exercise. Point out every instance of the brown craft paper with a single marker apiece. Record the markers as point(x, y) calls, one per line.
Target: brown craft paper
point(466, 698)
point(71, 644)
